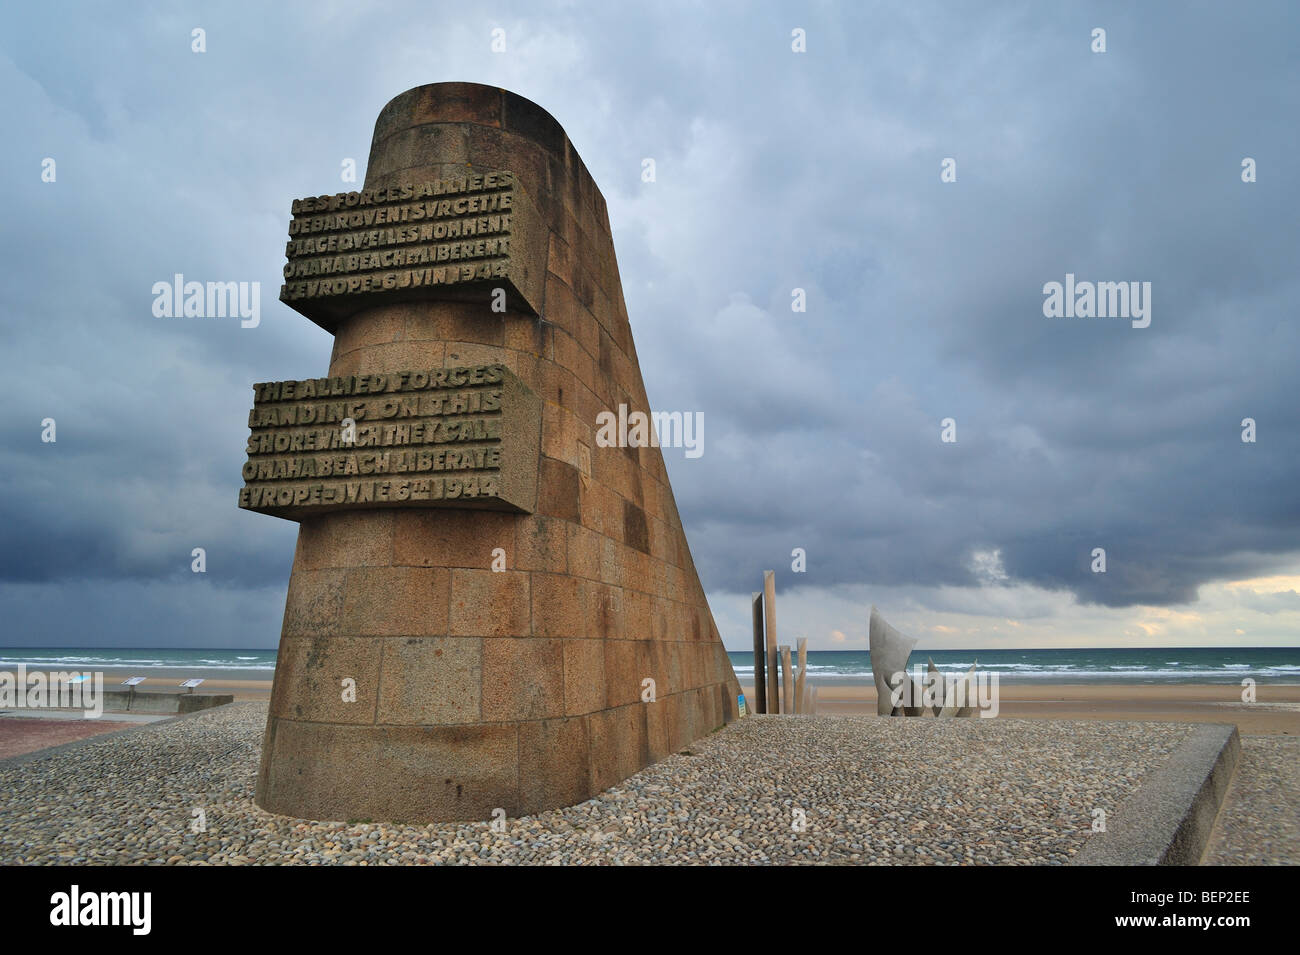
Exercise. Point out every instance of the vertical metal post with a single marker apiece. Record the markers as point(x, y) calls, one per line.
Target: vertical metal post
point(769, 616)
point(787, 682)
point(801, 681)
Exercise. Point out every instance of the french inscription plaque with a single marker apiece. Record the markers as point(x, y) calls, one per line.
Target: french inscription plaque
point(459, 238)
point(441, 437)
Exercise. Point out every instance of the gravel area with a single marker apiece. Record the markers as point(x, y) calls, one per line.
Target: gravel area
point(1259, 823)
point(866, 790)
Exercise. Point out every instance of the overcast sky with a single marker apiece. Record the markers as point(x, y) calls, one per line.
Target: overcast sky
point(775, 170)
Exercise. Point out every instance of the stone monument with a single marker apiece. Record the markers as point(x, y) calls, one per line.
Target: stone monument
point(488, 610)
point(898, 693)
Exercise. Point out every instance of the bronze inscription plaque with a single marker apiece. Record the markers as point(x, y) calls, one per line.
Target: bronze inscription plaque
point(442, 437)
point(458, 239)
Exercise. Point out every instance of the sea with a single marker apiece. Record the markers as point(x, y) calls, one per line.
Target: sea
point(1118, 665)
point(159, 662)
point(1095, 665)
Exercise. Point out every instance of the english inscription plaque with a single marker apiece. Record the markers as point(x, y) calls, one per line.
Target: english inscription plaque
point(459, 238)
point(441, 437)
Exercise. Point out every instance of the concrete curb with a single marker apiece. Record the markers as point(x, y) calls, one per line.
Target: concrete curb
point(1168, 820)
point(162, 701)
point(36, 754)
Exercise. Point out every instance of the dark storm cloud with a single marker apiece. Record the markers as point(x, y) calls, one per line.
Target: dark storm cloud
point(1072, 434)
point(775, 171)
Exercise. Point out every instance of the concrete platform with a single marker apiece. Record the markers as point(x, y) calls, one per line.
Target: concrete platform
point(858, 790)
point(162, 701)
point(76, 715)
point(1169, 819)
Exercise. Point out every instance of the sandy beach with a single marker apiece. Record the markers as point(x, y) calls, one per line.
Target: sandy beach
point(169, 678)
point(242, 689)
point(1276, 710)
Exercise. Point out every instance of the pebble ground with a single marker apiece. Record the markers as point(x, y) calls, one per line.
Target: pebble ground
point(841, 789)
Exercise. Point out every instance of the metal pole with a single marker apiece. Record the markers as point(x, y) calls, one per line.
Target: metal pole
point(800, 684)
point(787, 681)
point(769, 615)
